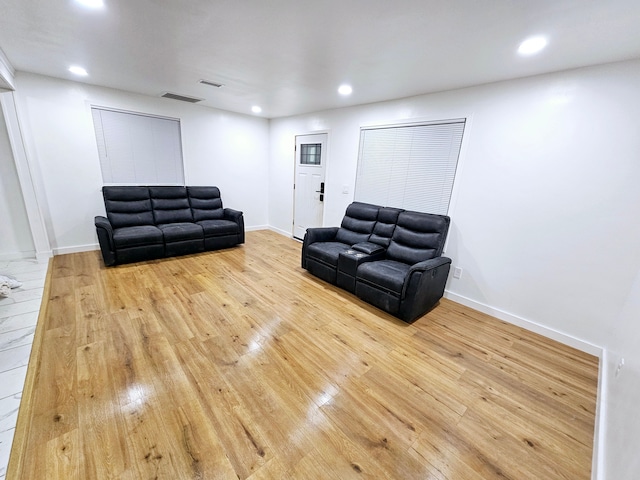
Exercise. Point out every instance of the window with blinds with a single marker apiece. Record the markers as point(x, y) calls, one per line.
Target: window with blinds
point(409, 166)
point(138, 149)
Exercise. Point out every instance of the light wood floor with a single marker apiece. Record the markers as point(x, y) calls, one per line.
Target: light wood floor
point(239, 364)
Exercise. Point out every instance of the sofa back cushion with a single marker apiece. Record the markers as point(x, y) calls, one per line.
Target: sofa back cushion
point(357, 224)
point(170, 205)
point(206, 203)
point(128, 206)
point(385, 226)
point(418, 237)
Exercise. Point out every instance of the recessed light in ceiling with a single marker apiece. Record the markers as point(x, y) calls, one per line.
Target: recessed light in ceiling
point(256, 109)
point(91, 3)
point(81, 72)
point(345, 90)
point(532, 45)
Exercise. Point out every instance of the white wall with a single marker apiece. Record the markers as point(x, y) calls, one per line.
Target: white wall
point(15, 235)
point(545, 214)
point(219, 148)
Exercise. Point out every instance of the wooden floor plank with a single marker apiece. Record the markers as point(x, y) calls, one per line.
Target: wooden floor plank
point(238, 364)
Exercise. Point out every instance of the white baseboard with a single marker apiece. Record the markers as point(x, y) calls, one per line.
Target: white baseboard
point(256, 227)
point(76, 249)
point(561, 337)
point(281, 232)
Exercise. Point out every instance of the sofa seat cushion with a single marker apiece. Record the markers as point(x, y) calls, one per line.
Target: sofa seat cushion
point(177, 232)
point(327, 252)
point(214, 228)
point(136, 236)
point(385, 274)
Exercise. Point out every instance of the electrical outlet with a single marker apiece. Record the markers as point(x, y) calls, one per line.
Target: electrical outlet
point(345, 189)
point(457, 272)
point(619, 367)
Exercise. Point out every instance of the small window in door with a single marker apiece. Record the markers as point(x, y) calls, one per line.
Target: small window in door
point(310, 153)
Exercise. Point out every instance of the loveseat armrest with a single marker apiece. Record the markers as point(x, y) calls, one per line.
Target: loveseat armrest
point(238, 217)
point(423, 287)
point(320, 234)
point(429, 264)
point(369, 248)
point(105, 238)
point(317, 234)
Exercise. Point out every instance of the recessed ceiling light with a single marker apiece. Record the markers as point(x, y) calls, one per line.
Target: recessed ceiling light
point(81, 72)
point(256, 109)
point(532, 45)
point(91, 3)
point(345, 90)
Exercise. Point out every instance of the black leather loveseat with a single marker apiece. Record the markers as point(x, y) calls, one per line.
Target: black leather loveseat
point(388, 257)
point(143, 223)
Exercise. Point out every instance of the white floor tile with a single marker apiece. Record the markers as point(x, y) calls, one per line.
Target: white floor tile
point(9, 412)
point(16, 338)
point(21, 295)
point(31, 284)
point(12, 381)
point(17, 267)
point(24, 276)
point(5, 450)
point(20, 307)
point(16, 322)
point(14, 358)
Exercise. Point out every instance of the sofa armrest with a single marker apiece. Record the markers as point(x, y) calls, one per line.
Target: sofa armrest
point(238, 217)
point(231, 214)
point(318, 234)
point(105, 238)
point(104, 224)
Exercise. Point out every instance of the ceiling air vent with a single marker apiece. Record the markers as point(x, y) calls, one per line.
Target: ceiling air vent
point(182, 98)
point(212, 84)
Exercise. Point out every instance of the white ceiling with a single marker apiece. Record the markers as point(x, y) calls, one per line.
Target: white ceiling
point(290, 56)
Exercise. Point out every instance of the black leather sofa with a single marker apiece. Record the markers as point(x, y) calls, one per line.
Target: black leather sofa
point(388, 257)
point(145, 222)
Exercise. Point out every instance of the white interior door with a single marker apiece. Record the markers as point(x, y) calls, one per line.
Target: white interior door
point(311, 154)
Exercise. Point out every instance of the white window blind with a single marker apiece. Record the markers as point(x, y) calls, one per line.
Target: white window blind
point(410, 166)
point(138, 149)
